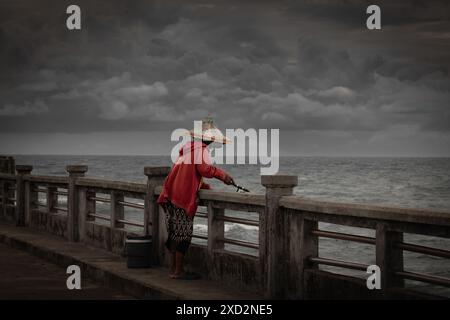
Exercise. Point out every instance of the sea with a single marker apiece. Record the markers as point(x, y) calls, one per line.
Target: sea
point(399, 182)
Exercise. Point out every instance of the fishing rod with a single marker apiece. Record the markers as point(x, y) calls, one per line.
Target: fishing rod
point(238, 187)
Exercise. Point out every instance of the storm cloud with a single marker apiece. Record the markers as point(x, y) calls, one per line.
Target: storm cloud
point(309, 68)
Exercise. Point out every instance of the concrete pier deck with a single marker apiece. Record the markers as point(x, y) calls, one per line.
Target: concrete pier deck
point(27, 277)
point(104, 274)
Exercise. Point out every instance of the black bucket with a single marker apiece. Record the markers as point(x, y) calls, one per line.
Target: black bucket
point(138, 250)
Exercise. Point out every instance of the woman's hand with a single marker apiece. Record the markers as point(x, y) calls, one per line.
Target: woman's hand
point(228, 180)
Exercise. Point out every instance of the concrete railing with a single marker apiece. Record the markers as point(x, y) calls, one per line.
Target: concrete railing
point(389, 225)
point(7, 164)
point(285, 260)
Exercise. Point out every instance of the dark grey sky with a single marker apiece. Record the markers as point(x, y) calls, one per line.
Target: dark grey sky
point(139, 69)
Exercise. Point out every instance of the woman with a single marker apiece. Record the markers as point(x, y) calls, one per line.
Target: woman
point(179, 193)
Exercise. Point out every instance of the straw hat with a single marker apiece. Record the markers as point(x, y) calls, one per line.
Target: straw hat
point(209, 132)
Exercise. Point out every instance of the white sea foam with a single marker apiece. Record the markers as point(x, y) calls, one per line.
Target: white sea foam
point(228, 227)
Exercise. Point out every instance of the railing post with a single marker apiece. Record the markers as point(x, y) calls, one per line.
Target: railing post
point(389, 257)
point(7, 196)
point(155, 177)
point(7, 164)
point(117, 212)
point(20, 193)
point(87, 206)
point(275, 242)
point(216, 229)
point(302, 245)
point(31, 200)
point(75, 171)
point(52, 199)
point(3, 193)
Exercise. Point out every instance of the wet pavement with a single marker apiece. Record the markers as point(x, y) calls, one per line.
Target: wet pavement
point(24, 276)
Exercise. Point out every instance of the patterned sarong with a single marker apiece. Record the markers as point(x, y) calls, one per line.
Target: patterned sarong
point(179, 228)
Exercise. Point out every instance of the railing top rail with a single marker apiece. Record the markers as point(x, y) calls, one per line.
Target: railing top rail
point(412, 215)
point(47, 179)
point(421, 216)
point(234, 197)
point(7, 176)
point(111, 184)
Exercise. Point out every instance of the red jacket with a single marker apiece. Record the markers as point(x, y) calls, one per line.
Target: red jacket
point(185, 178)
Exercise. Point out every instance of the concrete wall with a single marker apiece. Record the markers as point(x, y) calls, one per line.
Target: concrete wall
point(9, 215)
point(105, 238)
point(325, 285)
point(55, 224)
point(231, 269)
point(7, 164)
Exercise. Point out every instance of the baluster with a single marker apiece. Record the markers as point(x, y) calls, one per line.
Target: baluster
point(389, 257)
point(152, 212)
point(31, 200)
point(52, 199)
point(3, 194)
point(20, 193)
point(216, 230)
point(87, 207)
point(275, 242)
point(75, 172)
point(117, 210)
point(8, 195)
point(302, 245)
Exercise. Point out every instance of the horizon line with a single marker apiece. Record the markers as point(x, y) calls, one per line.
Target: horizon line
point(281, 156)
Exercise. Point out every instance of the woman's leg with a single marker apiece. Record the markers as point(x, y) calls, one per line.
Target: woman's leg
point(179, 258)
point(172, 269)
point(170, 244)
point(182, 231)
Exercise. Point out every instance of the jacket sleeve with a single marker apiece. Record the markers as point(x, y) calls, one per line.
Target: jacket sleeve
point(204, 166)
point(205, 186)
point(209, 171)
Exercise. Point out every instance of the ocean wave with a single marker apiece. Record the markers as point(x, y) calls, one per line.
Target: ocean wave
point(228, 227)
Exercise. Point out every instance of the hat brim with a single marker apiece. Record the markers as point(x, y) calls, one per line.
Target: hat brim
point(208, 137)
